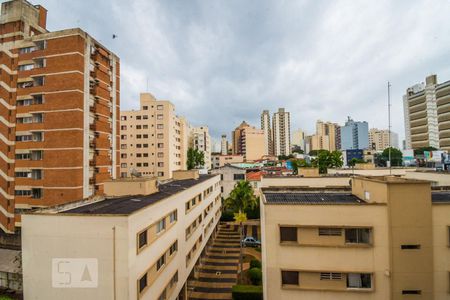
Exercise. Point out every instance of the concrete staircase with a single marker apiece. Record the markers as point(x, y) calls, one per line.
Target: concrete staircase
point(218, 271)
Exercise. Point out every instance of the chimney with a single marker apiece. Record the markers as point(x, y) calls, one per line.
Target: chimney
point(185, 174)
point(131, 186)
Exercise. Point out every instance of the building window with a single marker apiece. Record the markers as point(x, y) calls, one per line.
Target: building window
point(411, 292)
point(159, 117)
point(173, 248)
point(36, 193)
point(161, 225)
point(238, 176)
point(173, 216)
point(123, 165)
point(163, 295)
point(143, 283)
point(359, 281)
point(330, 276)
point(160, 145)
point(161, 261)
point(357, 235)
point(289, 277)
point(406, 247)
point(288, 234)
point(138, 117)
point(330, 231)
point(160, 107)
point(160, 136)
point(145, 107)
point(160, 164)
point(160, 174)
point(142, 239)
point(123, 118)
point(160, 154)
point(160, 126)
point(174, 279)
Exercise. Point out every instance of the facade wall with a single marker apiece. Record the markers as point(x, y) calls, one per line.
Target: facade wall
point(305, 181)
point(200, 139)
point(152, 139)
point(316, 258)
point(40, 164)
point(42, 239)
point(441, 251)
point(229, 176)
point(221, 160)
point(281, 126)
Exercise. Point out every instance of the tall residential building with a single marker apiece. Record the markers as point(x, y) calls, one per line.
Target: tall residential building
point(265, 125)
point(224, 145)
point(281, 126)
point(248, 141)
point(145, 246)
point(386, 238)
point(59, 95)
point(326, 137)
point(379, 139)
point(426, 113)
point(200, 139)
point(354, 135)
point(298, 139)
point(152, 140)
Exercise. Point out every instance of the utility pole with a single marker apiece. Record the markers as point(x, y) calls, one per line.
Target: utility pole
point(389, 126)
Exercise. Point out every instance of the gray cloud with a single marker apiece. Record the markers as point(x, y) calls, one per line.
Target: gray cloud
point(221, 62)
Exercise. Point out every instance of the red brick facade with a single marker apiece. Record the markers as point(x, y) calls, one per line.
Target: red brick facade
point(59, 110)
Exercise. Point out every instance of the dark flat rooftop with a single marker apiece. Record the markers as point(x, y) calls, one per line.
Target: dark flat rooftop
point(440, 197)
point(312, 198)
point(129, 204)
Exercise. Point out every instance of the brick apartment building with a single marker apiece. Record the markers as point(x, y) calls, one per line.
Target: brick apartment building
point(59, 108)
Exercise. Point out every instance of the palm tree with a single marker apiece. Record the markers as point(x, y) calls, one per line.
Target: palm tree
point(241, 198)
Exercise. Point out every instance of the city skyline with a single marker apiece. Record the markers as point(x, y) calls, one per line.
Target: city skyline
point(175, 58)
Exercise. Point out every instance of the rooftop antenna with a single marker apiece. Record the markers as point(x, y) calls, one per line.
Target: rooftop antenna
point(389, 126)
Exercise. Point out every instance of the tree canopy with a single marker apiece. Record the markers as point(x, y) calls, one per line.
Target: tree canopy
point(396, 156)
point(195, 159)
point(241, 198)
point(326, 159)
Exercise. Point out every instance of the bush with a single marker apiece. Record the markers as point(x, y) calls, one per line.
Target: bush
point(254, 263)
point(227, 216)
point(247, 292)
point(255, 275)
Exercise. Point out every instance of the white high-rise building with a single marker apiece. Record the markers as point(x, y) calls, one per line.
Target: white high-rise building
point(298, 138)
point(224, 145)
point(265, 125)
point(426, 115)
point(200, 139)
point(281, 126)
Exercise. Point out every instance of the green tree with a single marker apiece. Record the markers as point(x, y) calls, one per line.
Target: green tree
point(396, 156)
point(336, 159)
point(195, 159)
point(240, 200)
point(352, 162)
point(326, 159)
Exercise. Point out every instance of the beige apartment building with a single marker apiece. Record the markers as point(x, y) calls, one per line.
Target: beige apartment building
point(281, 128)
point(224, 145)
point(200, 139)
point(59, 108)
point(153, 139)
point(147, 241)
point(327, 136)
point(248, 141)
point(386, 238)
point(379, 139)
point(268, 137)
point(427, 114)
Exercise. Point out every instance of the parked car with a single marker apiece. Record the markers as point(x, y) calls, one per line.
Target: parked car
point(250, 241)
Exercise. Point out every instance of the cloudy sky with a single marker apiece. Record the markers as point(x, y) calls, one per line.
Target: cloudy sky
point(221, 62)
